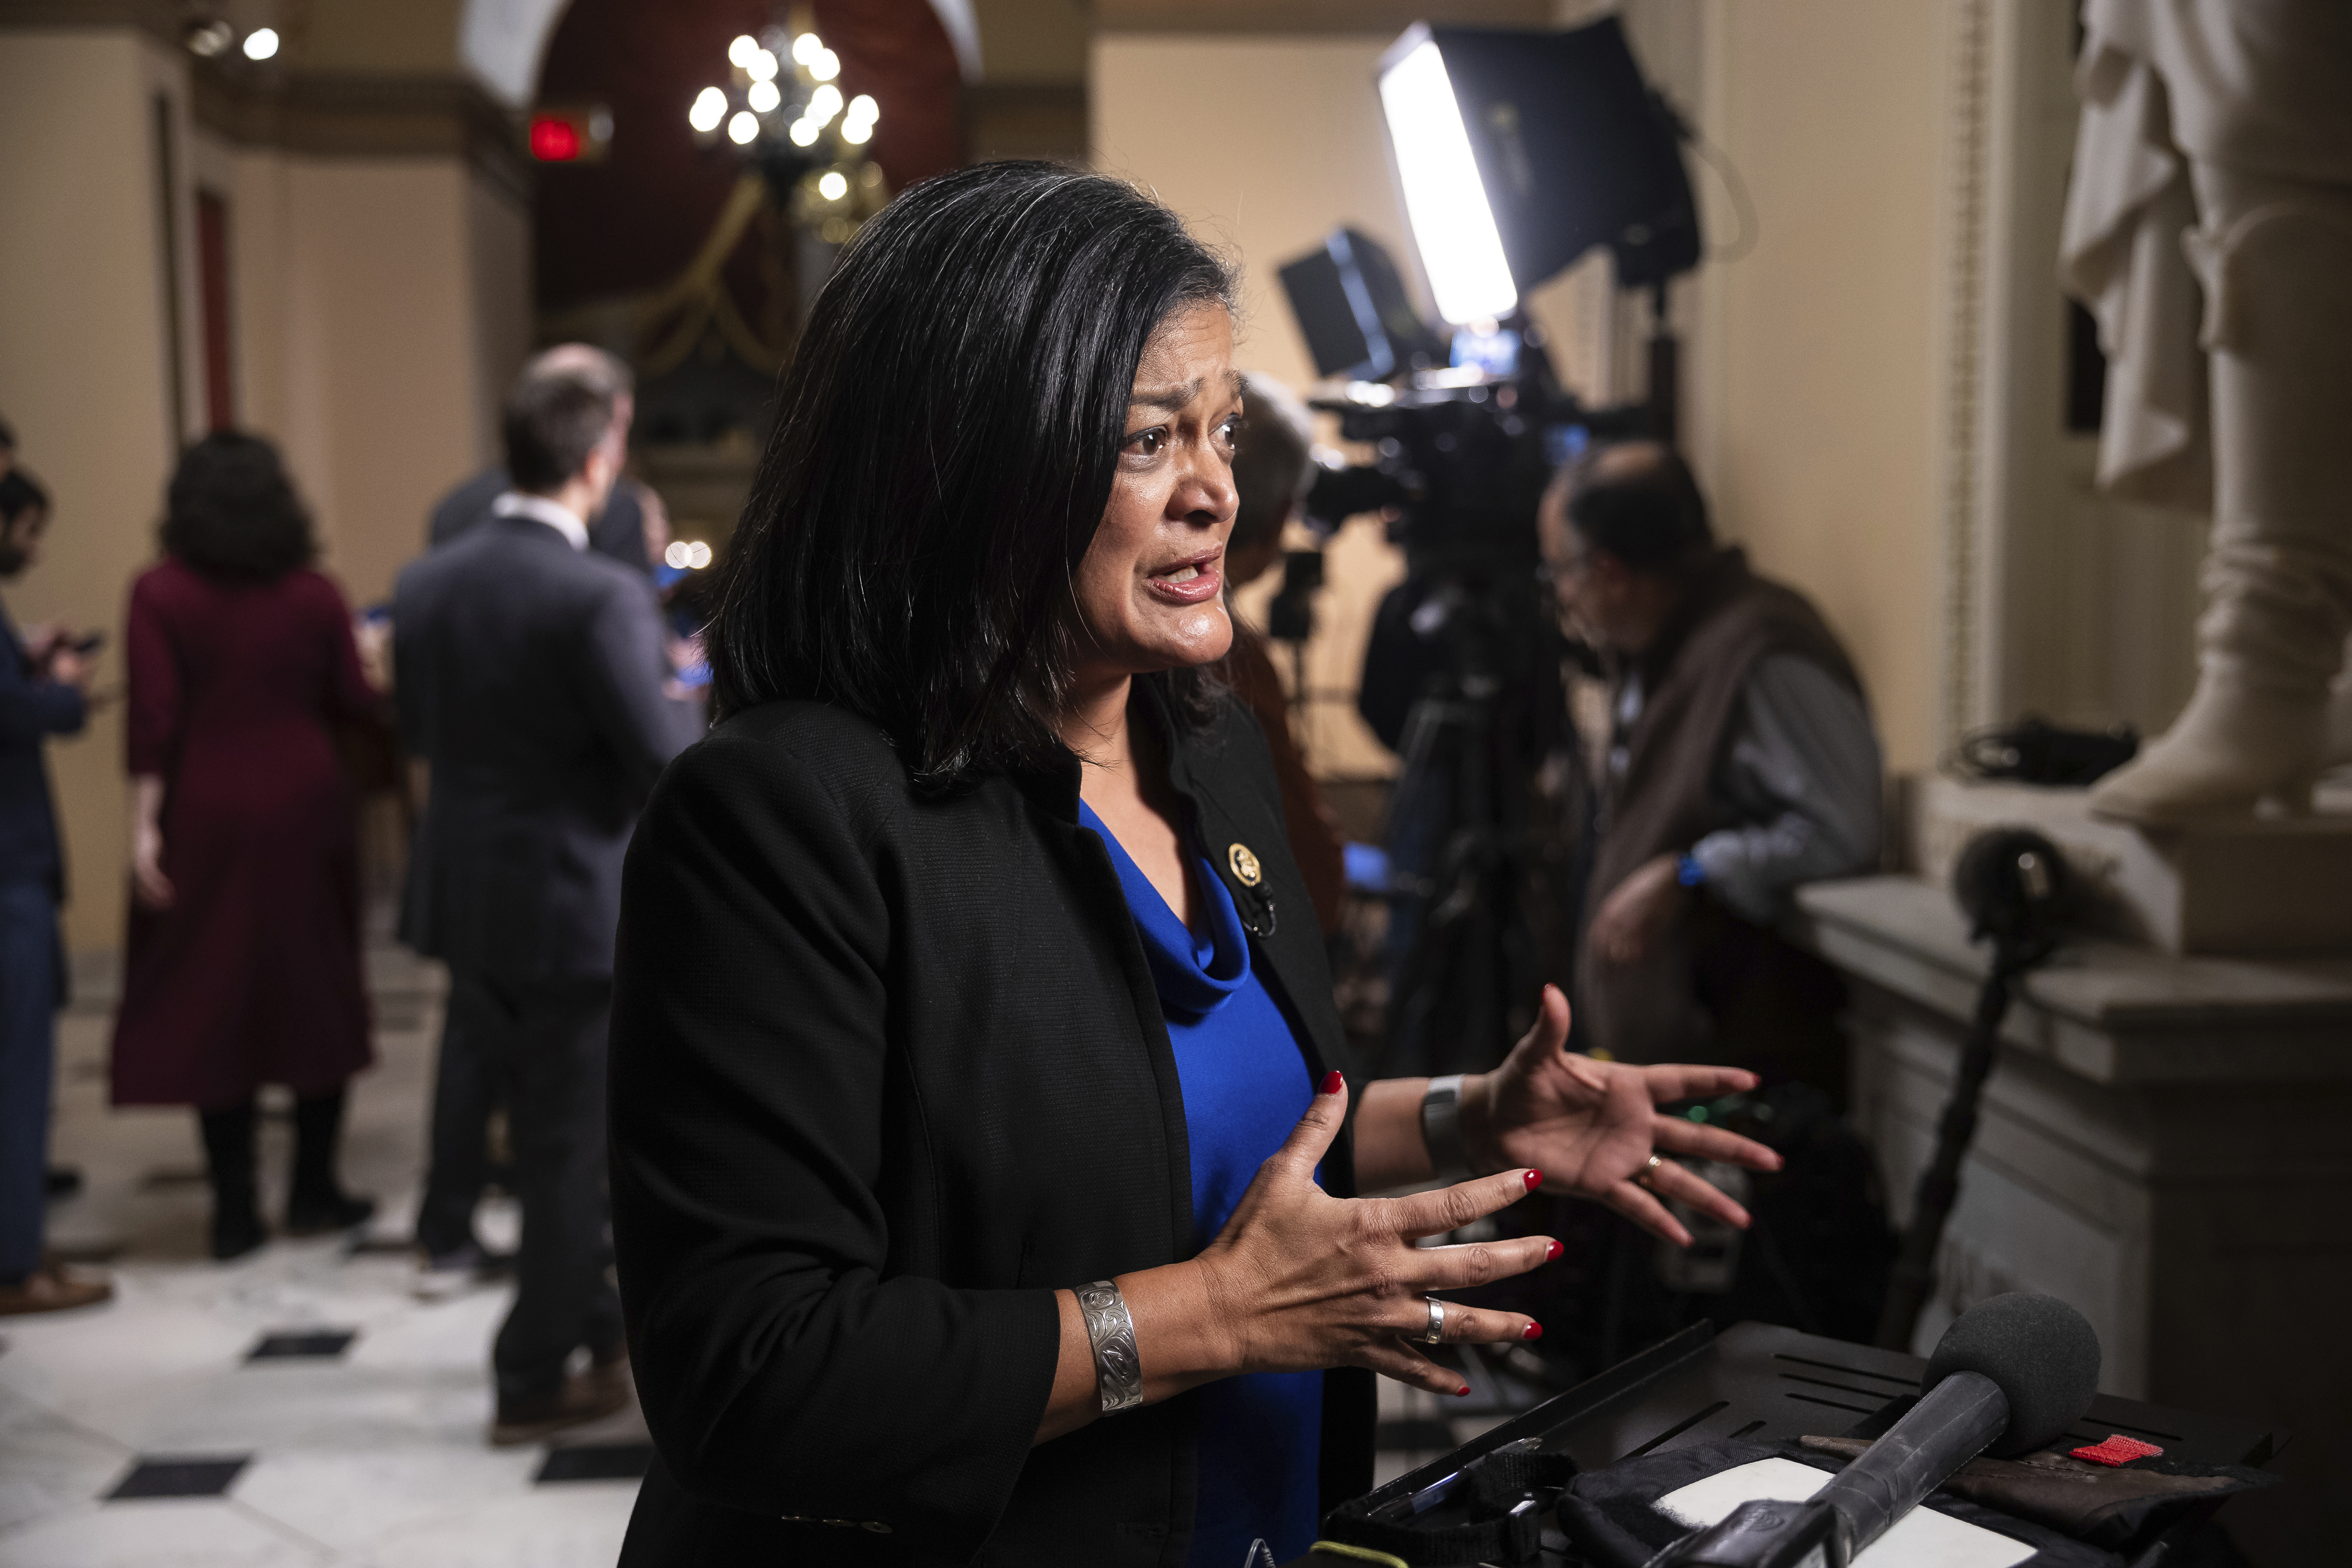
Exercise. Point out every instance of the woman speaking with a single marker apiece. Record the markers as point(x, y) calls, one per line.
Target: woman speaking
point(983, 1167)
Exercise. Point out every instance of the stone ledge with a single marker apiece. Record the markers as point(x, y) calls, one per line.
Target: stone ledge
point(2103, 1010)
point(2254, 886)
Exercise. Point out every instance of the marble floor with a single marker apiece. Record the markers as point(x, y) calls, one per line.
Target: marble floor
point(299, 1406)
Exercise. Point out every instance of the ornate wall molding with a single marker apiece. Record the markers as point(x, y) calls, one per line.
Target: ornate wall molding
point(331, 114)
point(363, 116)
point(160, 18)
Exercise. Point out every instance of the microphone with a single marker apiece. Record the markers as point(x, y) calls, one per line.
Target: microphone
point(2009, 1375)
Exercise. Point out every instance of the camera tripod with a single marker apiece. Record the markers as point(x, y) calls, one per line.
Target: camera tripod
point(1461, 837)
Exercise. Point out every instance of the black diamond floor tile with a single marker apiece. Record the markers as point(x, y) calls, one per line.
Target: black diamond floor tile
point(596, 1462)
point(302, 1345)
point(180, 1475)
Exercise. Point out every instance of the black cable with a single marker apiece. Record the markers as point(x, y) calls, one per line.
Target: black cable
point(2012, 884)
point(1913, 1279)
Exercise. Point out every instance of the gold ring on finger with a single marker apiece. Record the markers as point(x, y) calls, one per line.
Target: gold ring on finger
point(1436, 1334)
point(1648, 1173)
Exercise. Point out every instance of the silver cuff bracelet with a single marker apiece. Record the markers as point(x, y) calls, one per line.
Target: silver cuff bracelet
point(1118, 1371)
point(1441, 1127)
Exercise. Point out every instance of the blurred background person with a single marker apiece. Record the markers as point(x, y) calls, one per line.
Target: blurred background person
point(629, 526)
point(528, 673)
point(1271, 470)
point(243, 962)
point(622, 527)
point(44, 679)
point(1740, 764)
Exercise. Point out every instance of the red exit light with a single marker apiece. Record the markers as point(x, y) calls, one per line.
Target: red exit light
point(569, 132)
point(554, 140)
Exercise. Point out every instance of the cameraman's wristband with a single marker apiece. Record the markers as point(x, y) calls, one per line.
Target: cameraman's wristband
point(1441, 1128)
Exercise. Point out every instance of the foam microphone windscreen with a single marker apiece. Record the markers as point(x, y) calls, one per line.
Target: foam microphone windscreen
point(2041, 1353)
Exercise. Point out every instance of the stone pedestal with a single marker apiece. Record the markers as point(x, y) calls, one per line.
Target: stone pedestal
point(2261, 886)
point(2166, 1142)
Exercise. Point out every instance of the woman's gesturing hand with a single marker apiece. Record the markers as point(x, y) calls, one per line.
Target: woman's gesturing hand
point(1592, 1125)
point(1303, 1280)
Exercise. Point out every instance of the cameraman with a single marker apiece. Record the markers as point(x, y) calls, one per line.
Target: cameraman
point(1741, 763)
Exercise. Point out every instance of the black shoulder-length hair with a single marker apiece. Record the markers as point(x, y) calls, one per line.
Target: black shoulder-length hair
point(944, 448)
point(231, 512)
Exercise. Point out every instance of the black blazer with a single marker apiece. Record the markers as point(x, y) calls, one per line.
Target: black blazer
point(886, 1072)
point(529, 674)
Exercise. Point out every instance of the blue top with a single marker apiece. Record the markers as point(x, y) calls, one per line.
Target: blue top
point(1245, 1084)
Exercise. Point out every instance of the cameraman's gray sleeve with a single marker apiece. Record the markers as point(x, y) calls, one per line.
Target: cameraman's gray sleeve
point(1800, 770)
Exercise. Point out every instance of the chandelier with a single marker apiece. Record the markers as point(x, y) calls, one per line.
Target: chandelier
point(782, 111)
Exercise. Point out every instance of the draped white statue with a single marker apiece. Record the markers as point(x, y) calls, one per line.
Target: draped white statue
point(2209, 229)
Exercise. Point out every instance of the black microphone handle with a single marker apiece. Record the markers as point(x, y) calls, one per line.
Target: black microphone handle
point(1953, 1423)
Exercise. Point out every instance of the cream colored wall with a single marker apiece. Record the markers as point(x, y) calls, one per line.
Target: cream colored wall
point(1812, 369)
point(498, 231)
point(1264, 145)
point(82, 378)
point(370, 36)
point(1816, 392)
point(381, 307)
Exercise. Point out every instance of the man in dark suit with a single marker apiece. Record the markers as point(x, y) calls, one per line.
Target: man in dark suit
point(43, 677)
point(530, 677)
point(618, 528)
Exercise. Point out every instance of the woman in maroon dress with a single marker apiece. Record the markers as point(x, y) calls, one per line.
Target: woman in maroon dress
point(244, 959)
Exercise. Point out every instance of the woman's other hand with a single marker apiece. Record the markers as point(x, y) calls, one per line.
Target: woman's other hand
point(1302, 1280)
point(1591, 1126)
point(147, 878)
point(148, 885)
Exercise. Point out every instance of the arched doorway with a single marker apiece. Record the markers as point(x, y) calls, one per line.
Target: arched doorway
point(669, 247)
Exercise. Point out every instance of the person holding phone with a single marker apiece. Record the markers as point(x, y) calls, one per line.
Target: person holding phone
point(44, 691)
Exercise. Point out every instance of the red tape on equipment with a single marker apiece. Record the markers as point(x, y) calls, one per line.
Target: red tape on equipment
point(2116, 1450)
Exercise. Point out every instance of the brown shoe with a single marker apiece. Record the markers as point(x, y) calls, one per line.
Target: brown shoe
point(575, 1402)
point(48, 1290)
point(610, 1369)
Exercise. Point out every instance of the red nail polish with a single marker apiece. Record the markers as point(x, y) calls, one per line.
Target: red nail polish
point(1533, 1331)
point(1551, 1251)
point(1534, 1180)
point(1332, 1082)
point(1462, 1391)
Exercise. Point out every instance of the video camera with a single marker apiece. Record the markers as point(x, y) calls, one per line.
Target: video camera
point(1516, 152)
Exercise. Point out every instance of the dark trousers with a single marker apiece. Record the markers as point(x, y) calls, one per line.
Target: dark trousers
point(544, 1043)
point(468, 1083)
point(29, 966)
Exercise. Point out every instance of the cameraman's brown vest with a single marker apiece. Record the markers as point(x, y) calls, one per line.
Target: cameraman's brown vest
point(1720, 987)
